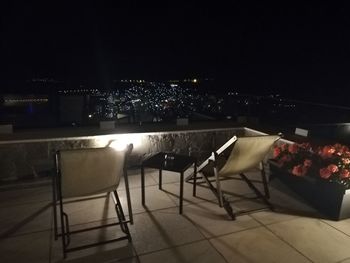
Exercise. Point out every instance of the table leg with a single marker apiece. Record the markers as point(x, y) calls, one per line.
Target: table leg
point(160, 179)
point(195, 179)
point(54, 205)
point(143, 185)
point(181, 190)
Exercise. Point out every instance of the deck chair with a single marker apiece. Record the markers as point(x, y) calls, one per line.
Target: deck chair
point(81, 173)
point(245, 154)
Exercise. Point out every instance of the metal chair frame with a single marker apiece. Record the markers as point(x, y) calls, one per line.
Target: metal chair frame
point(222, 200)
point(64, 220)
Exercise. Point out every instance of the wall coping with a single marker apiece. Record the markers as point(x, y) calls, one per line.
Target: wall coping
point(73, 134)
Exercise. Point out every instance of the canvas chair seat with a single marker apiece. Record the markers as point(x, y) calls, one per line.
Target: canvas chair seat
point(86, 172)
point(246, 155)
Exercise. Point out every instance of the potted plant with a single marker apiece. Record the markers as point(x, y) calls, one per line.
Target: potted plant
point(319, 174)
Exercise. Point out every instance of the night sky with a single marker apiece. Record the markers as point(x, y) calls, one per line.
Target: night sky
point(298, 49)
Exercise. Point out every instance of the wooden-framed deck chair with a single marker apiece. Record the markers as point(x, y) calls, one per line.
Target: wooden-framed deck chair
point(237, 157)
point(81, 173)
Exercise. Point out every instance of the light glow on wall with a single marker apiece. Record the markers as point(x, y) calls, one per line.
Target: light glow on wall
point(120, 141)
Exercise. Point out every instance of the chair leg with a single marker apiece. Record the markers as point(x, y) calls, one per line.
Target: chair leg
point(160, 179)
point(256, 190)
point(54, 206)
point(128, 198)
point(64, 234)
point(264, 180)
point(218, 188)
point(120, 213)
point(63, 217)
point(194, 193)
point(226, 205)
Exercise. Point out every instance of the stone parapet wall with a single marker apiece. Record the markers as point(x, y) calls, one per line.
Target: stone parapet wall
point(21, 160)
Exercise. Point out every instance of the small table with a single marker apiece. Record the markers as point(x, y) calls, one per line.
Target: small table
point(174, 163)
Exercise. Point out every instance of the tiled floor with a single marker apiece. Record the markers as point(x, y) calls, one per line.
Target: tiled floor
point(204, 233)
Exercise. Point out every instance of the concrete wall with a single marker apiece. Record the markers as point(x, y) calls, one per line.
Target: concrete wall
point(26, 159)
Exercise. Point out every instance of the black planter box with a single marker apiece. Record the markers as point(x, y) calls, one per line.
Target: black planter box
point(330, 199)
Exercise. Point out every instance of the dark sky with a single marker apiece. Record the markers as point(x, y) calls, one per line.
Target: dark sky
point(297, 48)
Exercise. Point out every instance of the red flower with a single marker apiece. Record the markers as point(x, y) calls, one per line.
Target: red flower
point(340, 149)
point(276, 152)
point(307, 163)
point(284, 147)
point(337, 146)
point(332, 161)
point(327, 151)
point(306, 146)
point(299, 170)
point(344, 174)
point(325, 173)
point(285, 159)
point(333, 168)
point(293, 148)
point(346, 160)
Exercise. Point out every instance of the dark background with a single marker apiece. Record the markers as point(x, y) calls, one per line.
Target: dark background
point(298, 50)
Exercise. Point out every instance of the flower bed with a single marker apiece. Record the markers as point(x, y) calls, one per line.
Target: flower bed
point(330, 163)
point(320, 175)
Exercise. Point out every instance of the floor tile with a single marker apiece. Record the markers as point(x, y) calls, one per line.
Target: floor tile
point(162, 229)
point(170, 177)
point(315, 239)
point(26, 218)
point(200, 252)
point(288, 202)
point(128, 260)
point(290, 234)
point(342, 225)
point(240, 187)
point(103, 253)
point(256, 245)
point(26, 196)
point(213, 220)
point(90, 209)
point(134, 178)
point(155, 199)
point(100, 207)
point(167, 177)
point(270, 217)
point(202, 193)
point(235, 186)
point(236, 191)
point(26, 248)
point(248, 204)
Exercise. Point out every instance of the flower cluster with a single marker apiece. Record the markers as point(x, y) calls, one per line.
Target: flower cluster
point(330, 162)
point(294, 157)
